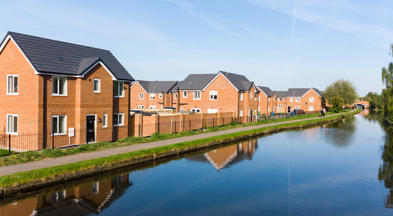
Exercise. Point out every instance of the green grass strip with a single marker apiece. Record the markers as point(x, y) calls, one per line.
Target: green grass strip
point(46, 173)
point(30, 156)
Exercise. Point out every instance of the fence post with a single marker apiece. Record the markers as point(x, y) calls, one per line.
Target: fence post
point(53, 140)
point(9, 144)
point(189, 125)
point(175, 126)
point(213, 122)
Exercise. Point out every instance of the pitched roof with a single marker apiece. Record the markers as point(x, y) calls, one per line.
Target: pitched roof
point(266, 90)
point(295, 92)
point(239, 81)
point(157, 86)
point(57, 57)
point(281, 94)
point(195, 81)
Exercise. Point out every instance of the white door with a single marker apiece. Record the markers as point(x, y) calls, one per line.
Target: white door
point(212, 111)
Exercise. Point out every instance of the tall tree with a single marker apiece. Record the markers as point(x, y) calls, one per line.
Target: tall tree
point(343, 89)
point(387, 93)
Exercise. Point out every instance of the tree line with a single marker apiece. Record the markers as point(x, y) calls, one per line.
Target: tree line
point(383, 102)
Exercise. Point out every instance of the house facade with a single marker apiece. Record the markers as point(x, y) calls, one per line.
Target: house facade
point(57, 93)
point(307, 99)
point(153, 95)
point(267, 100)
point(221, 92)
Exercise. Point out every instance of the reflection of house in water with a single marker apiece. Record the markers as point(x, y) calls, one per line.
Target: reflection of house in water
point(87, 198)
point(225, 156)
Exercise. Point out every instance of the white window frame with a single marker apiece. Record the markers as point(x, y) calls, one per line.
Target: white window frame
point(153, 107)
point(311, 99)
point(250, 95)
point(310, 108)
point(197, 95)
point(297, 107)
point(160, 95)
point(58, 125)
point(298, 99)
point(99, 86)
point(152, 96)
point(241, 96)
point(181, 109)
point(141, 96)
point(241, 113)
point(58, 87)
point(185, 93)
point(141, 106)
point(12, 124)
point(13, 76)
point(291, 99)
point(119, 91)
point(122, 119)
point(175, 96)
point(213, 95)
point(97, 183)
point(105, 120)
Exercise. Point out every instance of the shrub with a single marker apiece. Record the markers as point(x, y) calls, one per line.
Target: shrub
point(337, 104)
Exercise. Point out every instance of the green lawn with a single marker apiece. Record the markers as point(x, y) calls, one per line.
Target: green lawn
point(48, 173)
point(52, 153)
point(3, 152)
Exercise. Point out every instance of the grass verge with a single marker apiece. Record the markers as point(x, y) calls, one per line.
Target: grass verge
point(63, 172)
point(53, 153)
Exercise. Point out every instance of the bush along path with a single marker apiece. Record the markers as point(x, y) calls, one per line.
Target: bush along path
point(14, 178)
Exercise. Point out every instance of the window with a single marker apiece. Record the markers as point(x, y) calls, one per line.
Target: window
point(311, 108)
point(184, 94)
point(59, 125)
point(12, 84)
point(241, 113)
point(298, 99)
point(160, 95)
point(213, 95)
point(268, 99)
point(197, 95)
point(268, 109)
point(118, 119)
point(196, 110)
point(96, 86)
point(181, 109)
point(105, 120)
point(119, 89)
point(280, 105)
point(12, 124)
point(95, 188)
point(59, 86)
point(175, 95)
point(140, 106)
point(255, 97)
point(153, 107)
point(290, 99)
point(311, 99)
point(250, 95)
point(241, 96)
point(298, 107)
point(152, 96)
point(141, 96)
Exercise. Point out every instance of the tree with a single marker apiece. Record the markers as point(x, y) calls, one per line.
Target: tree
point(343, 89)
point(337, 104)
point(387, 93)
point(375, 101)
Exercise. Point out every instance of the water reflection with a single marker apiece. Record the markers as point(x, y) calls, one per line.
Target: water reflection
point(226, 156)
point(341, 133)
point(87, 198)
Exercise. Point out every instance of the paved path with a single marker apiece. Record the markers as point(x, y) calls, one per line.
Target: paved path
point(11, 169)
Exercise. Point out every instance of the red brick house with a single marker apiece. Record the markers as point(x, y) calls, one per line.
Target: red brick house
point(152, 94)
point(57, 93)
point(220, 92)
point(307, 99)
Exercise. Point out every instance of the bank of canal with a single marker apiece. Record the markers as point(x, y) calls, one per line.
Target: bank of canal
point(340, 168)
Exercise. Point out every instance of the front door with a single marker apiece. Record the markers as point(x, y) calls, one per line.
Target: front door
point(289, 109)
point(90, 129)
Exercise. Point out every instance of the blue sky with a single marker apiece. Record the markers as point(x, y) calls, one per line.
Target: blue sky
point(280, 44)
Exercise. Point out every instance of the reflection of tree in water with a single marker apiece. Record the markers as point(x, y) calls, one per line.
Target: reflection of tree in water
point(385, 171)
point(340, 133)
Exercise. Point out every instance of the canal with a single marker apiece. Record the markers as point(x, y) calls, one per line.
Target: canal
point(342, 168)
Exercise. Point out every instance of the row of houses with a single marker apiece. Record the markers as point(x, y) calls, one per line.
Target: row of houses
point(51, 90)
point(221, 92)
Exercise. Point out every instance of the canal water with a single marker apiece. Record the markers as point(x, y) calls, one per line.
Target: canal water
point(342, 168)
